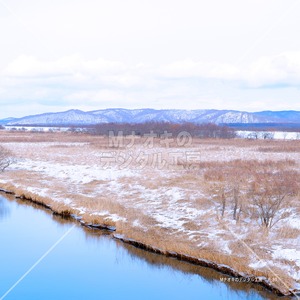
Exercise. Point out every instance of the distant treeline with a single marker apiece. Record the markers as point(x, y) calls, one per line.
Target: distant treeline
point(208, 130)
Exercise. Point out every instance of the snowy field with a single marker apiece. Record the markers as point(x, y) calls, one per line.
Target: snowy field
point(276, 135)
point(161, 195)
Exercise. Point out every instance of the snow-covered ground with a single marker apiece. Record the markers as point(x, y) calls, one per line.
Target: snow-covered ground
point(172, 200)
point(276, 135)
point(37, 128)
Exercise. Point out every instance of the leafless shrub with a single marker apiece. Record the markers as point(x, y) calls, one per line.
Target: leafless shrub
point(258, 189)
point(269, 193)
point(6, 158)
point(229, 197)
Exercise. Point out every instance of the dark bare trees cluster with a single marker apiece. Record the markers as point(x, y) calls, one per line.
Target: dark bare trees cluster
point(261, 191)
point(196, 130)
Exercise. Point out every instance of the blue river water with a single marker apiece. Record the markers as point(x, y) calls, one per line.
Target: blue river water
point(46, 257)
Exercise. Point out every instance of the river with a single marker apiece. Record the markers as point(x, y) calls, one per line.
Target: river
point(44, 256)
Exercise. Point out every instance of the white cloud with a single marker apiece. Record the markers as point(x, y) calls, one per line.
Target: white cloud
point(189, 68)
point(141, 53)
point(283, 69)
point(96, 97)
point(267, 71)
point(75, 82)
point(29, 66)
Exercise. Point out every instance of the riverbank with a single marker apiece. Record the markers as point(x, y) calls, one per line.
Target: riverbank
point(226, 270)
point(169, 207)
point(94, 262)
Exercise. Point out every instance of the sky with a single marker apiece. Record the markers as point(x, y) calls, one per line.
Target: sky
point(191, 54)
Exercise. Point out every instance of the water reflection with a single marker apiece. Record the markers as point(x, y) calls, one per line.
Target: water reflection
point(208, 275)
point(128, 261)
point(4, 210)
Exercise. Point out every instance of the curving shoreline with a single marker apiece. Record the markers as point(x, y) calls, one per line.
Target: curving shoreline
point(224, 269)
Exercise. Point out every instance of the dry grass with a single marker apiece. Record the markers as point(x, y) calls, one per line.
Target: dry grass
point(287, 232)
point(283, 147)
point(174, 208)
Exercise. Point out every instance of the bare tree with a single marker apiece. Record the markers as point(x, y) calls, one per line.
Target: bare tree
point(6, 159)
point(237, 208)
point(268, 135)
point(220, 196)
point(223, 201)
point(269, 192)
point(228, 186)
point(260, 190)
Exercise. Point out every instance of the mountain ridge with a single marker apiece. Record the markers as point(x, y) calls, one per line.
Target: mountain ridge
point(122, 115)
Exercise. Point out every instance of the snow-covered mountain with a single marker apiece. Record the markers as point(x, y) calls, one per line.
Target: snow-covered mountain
point(7, 120)
point(119, 115)
point(70, 117)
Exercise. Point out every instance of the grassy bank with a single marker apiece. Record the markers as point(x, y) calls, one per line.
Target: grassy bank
point(176, 198)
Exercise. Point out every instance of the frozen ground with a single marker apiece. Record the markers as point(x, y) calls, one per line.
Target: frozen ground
point(276, 135)
point(146, 189)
